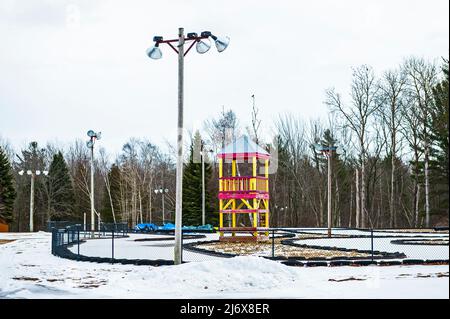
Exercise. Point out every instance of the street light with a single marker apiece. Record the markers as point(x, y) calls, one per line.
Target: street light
point(155, 53)
point(33, 175)
point(328, 152)
point(163, 192)
point(90, 144)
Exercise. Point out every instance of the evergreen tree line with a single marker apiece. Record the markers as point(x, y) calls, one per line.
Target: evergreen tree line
point(390, 170)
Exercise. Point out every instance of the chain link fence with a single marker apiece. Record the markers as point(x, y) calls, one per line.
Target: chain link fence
point(293, 247)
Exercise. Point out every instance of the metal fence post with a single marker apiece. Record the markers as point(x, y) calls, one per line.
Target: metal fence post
point(112, 250)
point(53, 241)
point(273, 243)
point(371, 239)
point(78, 241)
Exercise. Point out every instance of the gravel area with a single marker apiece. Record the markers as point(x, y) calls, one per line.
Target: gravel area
point(265, 249)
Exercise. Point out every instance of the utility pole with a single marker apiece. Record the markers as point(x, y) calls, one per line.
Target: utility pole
point(155, 53)
point(179, 182)
point(92, 193)
point(32, 203)
point(33, 175)
point(329, 192)
point(90, 144)
point(328, 152)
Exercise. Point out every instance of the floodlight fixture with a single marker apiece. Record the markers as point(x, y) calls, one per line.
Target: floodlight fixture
point(38, 172)
point(203, 46)
point(21, 172)
point(29, 172)
point(192, 35)
point(91, 133)
point(45, 173)
point(154, 52)
point(221, 42)
point(89, 144)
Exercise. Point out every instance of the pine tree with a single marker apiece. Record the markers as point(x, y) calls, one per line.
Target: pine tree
point(439, 153)
point(61, 198)
point(7, 191)
point(192, 187)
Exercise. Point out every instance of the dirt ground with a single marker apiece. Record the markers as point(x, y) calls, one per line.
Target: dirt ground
point(5, 241)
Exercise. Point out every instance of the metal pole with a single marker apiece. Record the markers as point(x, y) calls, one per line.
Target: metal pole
point(32, 202)
point(92, 193)
point(273, 243)
point(371, 240)
point(163, 210)
point(203, 189)
point(112, 245)
point(330, 152)
point(179, 181)
point(78, 233)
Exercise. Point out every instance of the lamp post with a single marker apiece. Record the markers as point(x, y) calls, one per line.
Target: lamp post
point(33, 175)
point(163, 192)
point(203, 44)
point(90, 144)
point(328, 152)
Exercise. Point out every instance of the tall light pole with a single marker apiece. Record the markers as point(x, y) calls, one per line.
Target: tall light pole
point(328, 152)
point(203, 44)
point(33, 175)
point(162, 191)
point(90, 144)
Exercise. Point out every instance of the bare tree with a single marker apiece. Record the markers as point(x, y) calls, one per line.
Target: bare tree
point(392, 104)
point(363, 106)
point(422, 77)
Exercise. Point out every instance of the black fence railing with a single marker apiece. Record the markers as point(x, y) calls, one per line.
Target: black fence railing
point(102, 227)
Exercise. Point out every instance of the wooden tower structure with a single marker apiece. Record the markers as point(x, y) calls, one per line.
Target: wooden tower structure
point(243, 191)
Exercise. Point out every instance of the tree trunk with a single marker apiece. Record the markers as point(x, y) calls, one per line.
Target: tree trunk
point(393, 219)
point(351, 206)
point(140, 206)
point(358, 210)
point(363, 195)
point(417, 196)
point(427, 188)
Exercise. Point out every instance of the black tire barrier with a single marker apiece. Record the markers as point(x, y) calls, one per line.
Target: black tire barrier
point(389, 262)
point(340, 263)
point(294, 263)
point(436, 261)
point(417, 242)
point(282, 235)
point(316, 264)
point(64, 252)
point(363, 263)
point(413, 262)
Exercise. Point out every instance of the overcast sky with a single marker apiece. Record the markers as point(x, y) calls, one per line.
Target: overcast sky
point(69, 66)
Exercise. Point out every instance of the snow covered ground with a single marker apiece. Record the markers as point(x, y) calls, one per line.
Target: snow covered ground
point(28, 270)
